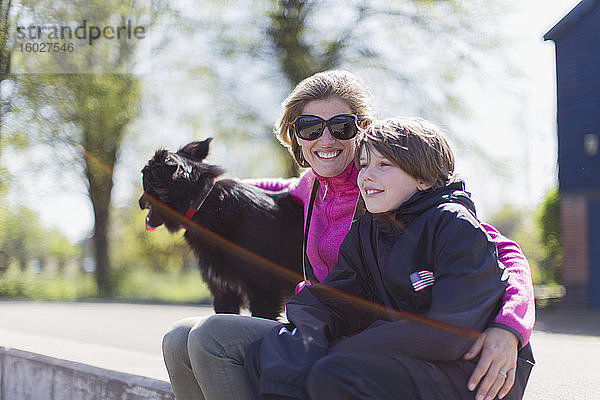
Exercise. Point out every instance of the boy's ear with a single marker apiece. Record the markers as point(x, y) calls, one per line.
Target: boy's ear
point(196, 150)
point(422, 185)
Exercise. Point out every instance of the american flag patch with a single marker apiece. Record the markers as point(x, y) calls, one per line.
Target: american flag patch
point(421, 279)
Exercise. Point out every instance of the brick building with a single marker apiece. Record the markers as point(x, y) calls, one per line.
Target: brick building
point(577, 42)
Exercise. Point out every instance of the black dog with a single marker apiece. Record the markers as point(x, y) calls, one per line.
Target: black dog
point(250, 224)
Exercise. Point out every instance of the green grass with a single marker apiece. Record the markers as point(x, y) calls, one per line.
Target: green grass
point(186, 287)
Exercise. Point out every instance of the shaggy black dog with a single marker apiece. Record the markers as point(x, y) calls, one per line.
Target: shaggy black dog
point(237, 231)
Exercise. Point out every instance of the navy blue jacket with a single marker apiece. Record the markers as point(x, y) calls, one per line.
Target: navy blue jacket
point(419, 282)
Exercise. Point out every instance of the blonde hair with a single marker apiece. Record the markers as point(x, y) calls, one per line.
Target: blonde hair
point(322, 86)
point(415, 145)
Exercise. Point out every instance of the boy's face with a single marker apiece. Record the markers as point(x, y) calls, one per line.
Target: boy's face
point(383, 185)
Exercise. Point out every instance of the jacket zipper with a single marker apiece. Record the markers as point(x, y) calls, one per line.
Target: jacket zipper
point(328, 227)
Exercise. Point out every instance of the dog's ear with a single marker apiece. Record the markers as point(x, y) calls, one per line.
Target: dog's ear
point(196, 150)
point(214, 171)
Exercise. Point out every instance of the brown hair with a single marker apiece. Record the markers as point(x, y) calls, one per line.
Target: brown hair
point(322, 86)
point(415, 145)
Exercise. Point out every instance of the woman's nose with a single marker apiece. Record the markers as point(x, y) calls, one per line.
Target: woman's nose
point(326, 138)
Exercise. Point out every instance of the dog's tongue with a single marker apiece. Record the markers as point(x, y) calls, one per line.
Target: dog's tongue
point(148, 227)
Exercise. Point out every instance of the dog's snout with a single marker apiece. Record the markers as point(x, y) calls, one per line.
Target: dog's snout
point(143, 202)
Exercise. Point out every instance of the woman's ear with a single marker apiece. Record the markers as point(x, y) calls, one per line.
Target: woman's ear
point(297, 152)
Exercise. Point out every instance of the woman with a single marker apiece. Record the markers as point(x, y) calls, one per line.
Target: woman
point(205, 358)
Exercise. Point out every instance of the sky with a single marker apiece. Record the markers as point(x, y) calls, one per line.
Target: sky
point(521, 133)
point(497, 122)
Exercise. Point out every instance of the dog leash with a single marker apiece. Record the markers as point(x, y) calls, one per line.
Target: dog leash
point(359, 211)
point(307, 269)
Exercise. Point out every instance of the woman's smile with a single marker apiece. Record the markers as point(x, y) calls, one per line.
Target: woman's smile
point(329, 154)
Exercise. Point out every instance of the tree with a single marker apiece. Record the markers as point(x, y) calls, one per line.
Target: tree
point(548, 221)
point(413, 52)
point(22, 238)
point(5, 7)
point(299, 59)
point(402, 42)
point(82, 97)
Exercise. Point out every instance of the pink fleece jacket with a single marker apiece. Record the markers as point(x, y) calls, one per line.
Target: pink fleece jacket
point(331, 219)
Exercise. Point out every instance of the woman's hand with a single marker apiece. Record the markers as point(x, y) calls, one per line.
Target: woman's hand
point(497, 365)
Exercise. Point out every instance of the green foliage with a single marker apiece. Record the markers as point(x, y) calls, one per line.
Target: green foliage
point(5, 6)
point(184, 287)
point(148, 266)
point(140, 285)
point(152, 266)
point(4, 178)
point(519, 226)
point(15, 283)
point(548, 222)
point(138, 250)
point(508, 220)
point(298, 58)
point(22, 239)
point(61, 249)
point(538, 234)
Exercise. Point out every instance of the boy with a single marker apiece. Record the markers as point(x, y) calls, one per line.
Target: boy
point(416, 280)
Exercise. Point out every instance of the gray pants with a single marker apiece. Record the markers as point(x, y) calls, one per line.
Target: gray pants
point(205, 356)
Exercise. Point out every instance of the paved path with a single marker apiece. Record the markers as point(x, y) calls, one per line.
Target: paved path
point(126, 337)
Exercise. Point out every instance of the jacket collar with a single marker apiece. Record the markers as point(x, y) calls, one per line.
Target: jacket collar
point(342, 182)
point(421, 201)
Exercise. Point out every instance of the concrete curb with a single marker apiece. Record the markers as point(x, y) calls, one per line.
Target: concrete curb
point(26, 375)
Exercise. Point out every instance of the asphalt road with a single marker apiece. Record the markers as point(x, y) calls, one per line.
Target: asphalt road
point(127, 337)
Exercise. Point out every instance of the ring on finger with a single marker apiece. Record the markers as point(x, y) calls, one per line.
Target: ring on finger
point(503, 373)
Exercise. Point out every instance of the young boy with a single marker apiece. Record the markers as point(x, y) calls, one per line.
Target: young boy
point(415, 282)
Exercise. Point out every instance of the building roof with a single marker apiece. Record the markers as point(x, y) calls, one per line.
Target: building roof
point(571, 19)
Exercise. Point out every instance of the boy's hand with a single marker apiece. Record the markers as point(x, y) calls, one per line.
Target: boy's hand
point(498, 363)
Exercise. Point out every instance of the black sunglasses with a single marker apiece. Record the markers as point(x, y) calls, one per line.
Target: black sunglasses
point(311, 127)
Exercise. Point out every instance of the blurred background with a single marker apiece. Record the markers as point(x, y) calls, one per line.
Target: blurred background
point(79, 119)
